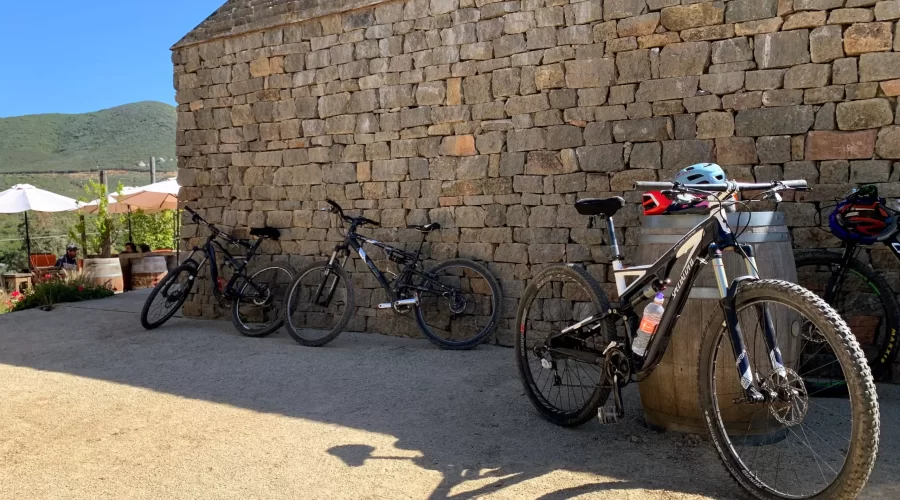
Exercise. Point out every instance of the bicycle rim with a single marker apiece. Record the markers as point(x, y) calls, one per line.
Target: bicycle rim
point(566, 391)
point(460, 307)
point(860, 302)
point(259, 305)
point(313, 318)
point(167, 297)
point(790, 449)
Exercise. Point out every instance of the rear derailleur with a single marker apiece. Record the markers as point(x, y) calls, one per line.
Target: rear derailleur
point(617, 370)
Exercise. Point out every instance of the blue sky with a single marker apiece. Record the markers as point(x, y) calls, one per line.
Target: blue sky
point(74, 57)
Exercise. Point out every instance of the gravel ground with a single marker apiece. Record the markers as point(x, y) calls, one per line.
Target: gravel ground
point(94, 407)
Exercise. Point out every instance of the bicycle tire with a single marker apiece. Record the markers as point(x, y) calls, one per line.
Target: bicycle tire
point(192, 271)
point(272, 327)
point(600, 301)
point(889, 346)
point(863, 404)
point(493, 322)
point(292, 303)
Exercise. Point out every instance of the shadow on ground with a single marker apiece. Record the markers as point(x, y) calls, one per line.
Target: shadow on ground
point(464, 414)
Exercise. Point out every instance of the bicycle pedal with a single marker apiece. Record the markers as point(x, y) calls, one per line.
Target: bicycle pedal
point(608, 415)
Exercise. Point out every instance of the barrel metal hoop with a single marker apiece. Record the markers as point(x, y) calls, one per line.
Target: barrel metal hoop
point(750, 219)
point(671, 239)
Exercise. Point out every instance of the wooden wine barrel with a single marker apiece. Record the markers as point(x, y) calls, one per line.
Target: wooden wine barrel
point(669, 395)
point(146, 272)
point(105, 272)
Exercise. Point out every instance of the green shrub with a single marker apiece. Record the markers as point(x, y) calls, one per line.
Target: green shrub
point(74, 288)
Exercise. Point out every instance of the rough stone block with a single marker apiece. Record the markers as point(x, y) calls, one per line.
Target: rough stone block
point(736, 151)
point(782, 50)
point(604, 158)
point(645, 130)
point(889, 143)
point(389, 170)
point(826, 145)
point(525, 140)
point(764, 79)
point(546, 163)
point(714, 124)
point(684, 59)
point(803, 20)
point(563, 136)
point(789, 120)
point(862, 38)
point(850, 16)
point(692, 16)
point(825, 44)
point(620, 9)
point(818, 4)
point(722, 83)
point(844, 71)
point(869, 171)
point(638, 25)
point(860, 115)
point(590, 73)
point(477, 89)
point(758, 27)
point(807, 76)
point(646, 155)
point(774, 149)
point(738, 11)
point(332, 105)
point(667, 89)
point(887, 11)
point(825, 117)
point(658, 40)
point(879, 66)
point(633, 66)
point(679, 154)
point(527, 104)
point(517, 22)
point(461, 145)
point(598, 133)
point(550, 76)
point(731, 50)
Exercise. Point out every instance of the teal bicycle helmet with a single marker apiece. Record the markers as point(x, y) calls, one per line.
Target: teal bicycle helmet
point(701, 173)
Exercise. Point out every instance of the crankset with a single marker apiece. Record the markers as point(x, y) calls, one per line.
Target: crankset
point(618, 372)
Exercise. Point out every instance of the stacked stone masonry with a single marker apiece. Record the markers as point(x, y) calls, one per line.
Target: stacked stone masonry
point(493, 117)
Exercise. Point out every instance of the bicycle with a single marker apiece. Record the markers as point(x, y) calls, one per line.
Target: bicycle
point(456, 303)
point(859, 293)
point(256, 299)
point(570, 358)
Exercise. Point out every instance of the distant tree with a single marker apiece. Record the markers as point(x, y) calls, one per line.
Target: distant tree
point(156, 230)
point(104, 231)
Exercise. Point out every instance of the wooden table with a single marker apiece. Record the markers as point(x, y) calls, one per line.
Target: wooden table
point(17, 281)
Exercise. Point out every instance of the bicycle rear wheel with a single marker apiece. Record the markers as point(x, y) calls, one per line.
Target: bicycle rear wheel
point(865, 301)
point(319, 304)
point(258, 309)
point(168, 296)
point(796, 445)
point(565, 391)
point(461, 306)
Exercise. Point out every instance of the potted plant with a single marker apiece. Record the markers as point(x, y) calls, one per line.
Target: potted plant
point(98, 240)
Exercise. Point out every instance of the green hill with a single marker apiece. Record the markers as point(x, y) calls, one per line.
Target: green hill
point(117, 138)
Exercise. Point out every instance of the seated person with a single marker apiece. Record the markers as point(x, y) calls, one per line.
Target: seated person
point(70, 259)
point(130, 248)
point(145, 248)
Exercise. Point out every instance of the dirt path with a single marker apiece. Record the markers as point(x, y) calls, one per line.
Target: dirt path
point(93, 407)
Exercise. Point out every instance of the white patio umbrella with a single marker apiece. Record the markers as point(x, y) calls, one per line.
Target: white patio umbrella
point(91, 207)
point(24, 197)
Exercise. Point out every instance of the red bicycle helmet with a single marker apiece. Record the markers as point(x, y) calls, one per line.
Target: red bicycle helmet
point(861, 219)
point(656, 203)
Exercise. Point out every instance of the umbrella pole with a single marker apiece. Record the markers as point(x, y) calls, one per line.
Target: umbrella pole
point(27, 241)
point(130, 234)
point(83, 234)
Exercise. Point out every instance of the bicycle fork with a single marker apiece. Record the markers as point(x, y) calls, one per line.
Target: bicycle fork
point(319, 300)
point(728, 293)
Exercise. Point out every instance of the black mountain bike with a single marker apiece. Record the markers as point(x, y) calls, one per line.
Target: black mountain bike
point(457, 303)
point(256, 299)
point(859, 293)
point(774, 438)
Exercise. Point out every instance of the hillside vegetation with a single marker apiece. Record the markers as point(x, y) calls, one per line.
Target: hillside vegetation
point(117, 138)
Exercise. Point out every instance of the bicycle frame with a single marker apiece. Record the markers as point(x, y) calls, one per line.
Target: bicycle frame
point(354, 241)
point(238, 263)
point(702, 244)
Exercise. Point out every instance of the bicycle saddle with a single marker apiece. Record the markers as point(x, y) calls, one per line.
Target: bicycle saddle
point(600, 206)
point(265, 232)
point(434, 226)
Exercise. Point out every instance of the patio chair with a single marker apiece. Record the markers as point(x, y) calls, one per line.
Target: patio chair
point(43, 264)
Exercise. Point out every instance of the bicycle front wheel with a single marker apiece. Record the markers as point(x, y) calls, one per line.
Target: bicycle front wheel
point(319, 304)
point(795, 445)
point(459, 307)
point(863, 298)
point(566, 391)
point(258, 309)
point(168, 296)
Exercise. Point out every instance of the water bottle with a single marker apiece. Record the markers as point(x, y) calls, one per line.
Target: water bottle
point(652, 316)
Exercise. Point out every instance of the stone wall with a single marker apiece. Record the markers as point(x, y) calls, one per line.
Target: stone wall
point(492, 118)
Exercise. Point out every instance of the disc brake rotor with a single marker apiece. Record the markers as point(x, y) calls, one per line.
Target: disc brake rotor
point(792, 399)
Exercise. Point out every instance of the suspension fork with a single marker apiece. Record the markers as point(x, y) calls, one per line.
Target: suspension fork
point(739, 348)
point(324, 302)
point(765, 316)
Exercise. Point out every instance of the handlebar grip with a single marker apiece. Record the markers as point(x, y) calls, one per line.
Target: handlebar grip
point(799, 185)
point(654, 186)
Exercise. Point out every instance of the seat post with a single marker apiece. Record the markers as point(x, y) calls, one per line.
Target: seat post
point(422, 244)
point(617, 257)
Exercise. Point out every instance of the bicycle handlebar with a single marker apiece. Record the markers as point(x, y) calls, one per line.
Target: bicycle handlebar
point(336, 209)
point(798, 185)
